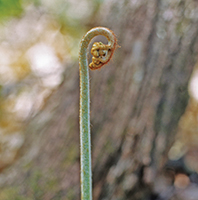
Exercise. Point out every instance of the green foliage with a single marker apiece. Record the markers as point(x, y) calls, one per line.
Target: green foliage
point(35, 185)
point(11, 193)
point(9, 8)
point(40, 183)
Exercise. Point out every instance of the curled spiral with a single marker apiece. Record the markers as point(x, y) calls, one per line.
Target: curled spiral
point(101, 55)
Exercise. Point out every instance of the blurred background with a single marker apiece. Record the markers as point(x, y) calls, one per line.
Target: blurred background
point(144, 103)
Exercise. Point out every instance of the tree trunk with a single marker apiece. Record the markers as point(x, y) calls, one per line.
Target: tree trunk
point(136, 103)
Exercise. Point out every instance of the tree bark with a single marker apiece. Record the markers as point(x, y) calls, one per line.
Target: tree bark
point(136, 103)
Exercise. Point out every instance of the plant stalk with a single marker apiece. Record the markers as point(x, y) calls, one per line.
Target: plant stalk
point(85, 138)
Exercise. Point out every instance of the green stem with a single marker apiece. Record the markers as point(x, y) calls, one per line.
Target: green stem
point(85, 138)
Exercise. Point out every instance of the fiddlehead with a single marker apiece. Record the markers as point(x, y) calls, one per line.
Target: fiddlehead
point(101, 55)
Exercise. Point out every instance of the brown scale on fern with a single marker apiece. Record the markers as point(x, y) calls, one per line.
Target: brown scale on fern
point(101, 55)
